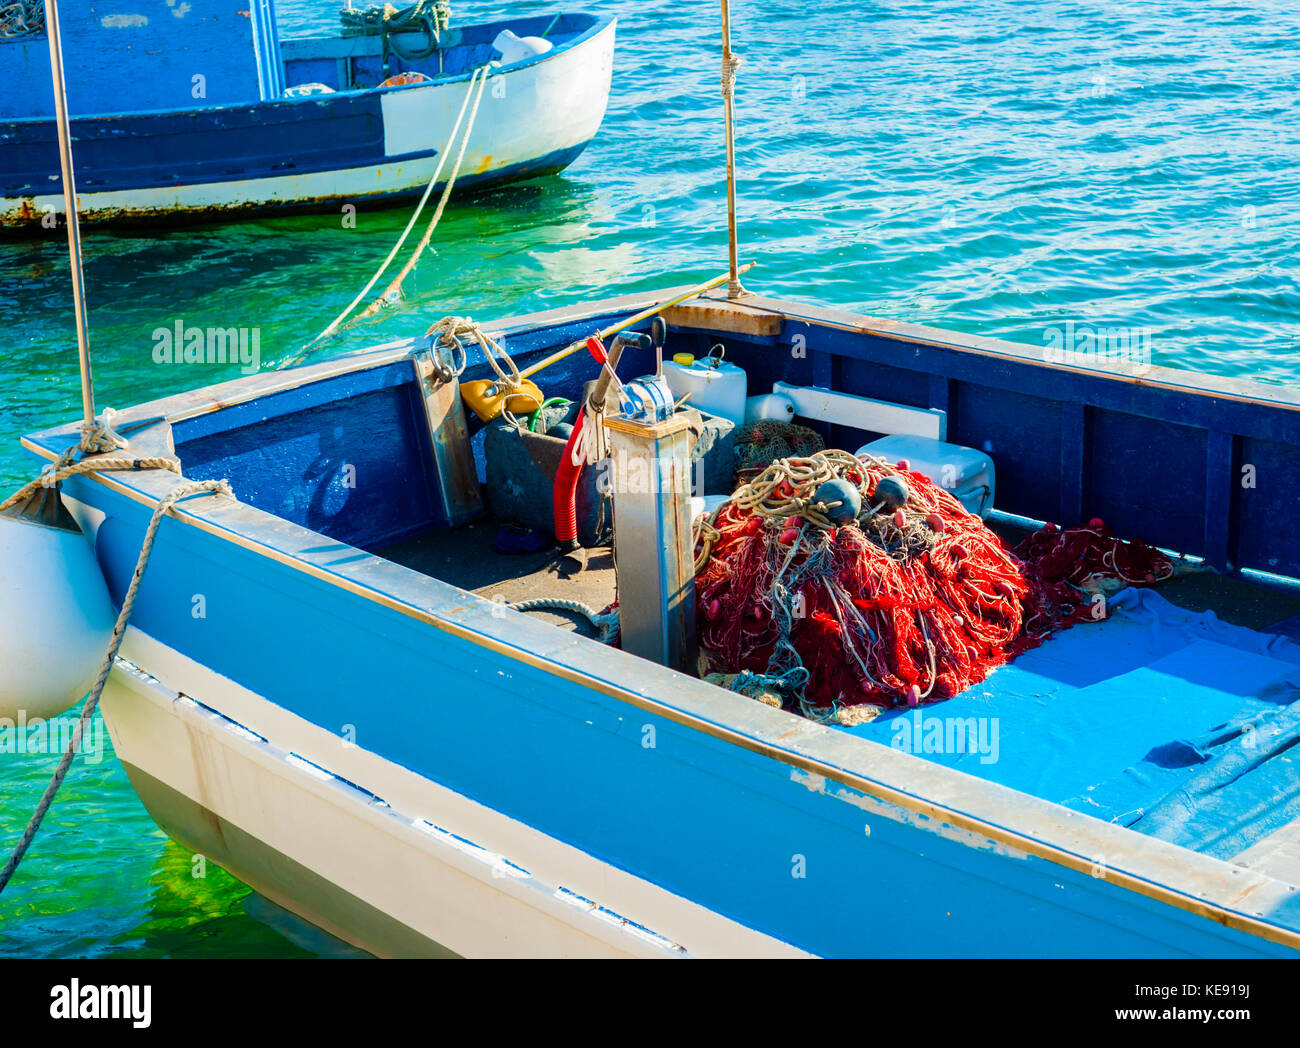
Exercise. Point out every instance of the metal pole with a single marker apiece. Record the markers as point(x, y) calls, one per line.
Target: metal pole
point(70, 207)
point(729, 63)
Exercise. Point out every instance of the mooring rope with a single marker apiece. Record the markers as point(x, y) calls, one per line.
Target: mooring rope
point(606, 625)
point(337, 324)
point(96, 436)
point(394, 288)
point(451, 332)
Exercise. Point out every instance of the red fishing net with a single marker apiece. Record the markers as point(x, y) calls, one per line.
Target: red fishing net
point(913, 602)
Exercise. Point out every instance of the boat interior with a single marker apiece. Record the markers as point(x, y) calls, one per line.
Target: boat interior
point(1177, 715)
point(358, 62)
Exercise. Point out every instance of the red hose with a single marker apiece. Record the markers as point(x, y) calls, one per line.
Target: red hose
point(565, 495)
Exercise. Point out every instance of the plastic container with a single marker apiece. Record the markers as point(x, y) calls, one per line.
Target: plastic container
point(968, 474)
point(715, 386)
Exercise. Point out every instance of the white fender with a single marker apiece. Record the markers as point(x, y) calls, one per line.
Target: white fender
point(55, 618)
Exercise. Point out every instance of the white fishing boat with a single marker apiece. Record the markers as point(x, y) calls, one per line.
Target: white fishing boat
point(315, 123)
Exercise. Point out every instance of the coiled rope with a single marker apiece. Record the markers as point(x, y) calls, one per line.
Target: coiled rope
point(385, 20)
point(94, 437)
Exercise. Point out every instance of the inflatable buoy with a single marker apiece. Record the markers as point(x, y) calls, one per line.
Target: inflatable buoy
point(892, 491)
point(840, 491)
point(56, 618)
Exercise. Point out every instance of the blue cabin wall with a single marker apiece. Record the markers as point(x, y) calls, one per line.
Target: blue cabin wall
point(1208, 473)
point(131, 57)
point(349, 457)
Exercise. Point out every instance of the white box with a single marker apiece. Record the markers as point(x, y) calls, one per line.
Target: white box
point(966, 473)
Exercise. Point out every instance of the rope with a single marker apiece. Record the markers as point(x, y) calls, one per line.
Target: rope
point(97, 438)
point(773, 493)
point(22, 18)
point(452, 332)
point(50, 476)
point(119, 629)
point(433, 16)
point(394, 289)
point(606, 625)
point(730, 65)
point(337, 324)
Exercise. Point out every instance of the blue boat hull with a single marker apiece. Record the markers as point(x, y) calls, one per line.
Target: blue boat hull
point(317, 152)
point(711, 823)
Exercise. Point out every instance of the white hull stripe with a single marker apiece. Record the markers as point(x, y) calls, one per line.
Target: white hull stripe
point(455, 872)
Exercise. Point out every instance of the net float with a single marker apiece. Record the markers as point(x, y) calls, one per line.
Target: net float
point(842, 500)
point(892, 491)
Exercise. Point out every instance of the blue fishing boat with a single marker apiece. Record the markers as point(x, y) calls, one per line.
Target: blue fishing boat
point(409, 644)
point(327, 690)
point(198, 110)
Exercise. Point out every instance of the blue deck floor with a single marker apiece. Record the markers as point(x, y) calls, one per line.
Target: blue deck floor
point(1137, 720)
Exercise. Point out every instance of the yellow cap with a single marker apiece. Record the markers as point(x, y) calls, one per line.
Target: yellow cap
point(684, 359)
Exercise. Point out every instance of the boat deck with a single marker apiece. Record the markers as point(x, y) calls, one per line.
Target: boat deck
point(1078, 718)
point(464, 557)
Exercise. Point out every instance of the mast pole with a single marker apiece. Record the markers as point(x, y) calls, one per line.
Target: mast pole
point(730, 62)
point(70, 208)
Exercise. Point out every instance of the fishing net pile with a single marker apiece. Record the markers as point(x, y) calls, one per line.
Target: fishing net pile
point(761, 442)
point(833, 581)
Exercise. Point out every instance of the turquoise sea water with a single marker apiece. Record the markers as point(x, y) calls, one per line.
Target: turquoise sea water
point(998, 168)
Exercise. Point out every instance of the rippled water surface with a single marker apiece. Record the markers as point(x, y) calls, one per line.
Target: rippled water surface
point(996, 168)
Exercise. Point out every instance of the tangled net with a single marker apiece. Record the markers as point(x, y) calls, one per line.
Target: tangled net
point(893, 608)
point(22, 18)
point(764, 441)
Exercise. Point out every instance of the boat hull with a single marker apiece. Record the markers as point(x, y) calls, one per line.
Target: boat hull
point(323, 153)
point(409, 881)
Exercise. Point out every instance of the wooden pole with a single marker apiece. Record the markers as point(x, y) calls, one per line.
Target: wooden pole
point(614, 329)
point(729, 63)
point(70, 207)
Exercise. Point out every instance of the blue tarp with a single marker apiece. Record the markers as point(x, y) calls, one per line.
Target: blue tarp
point(1162, 719)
